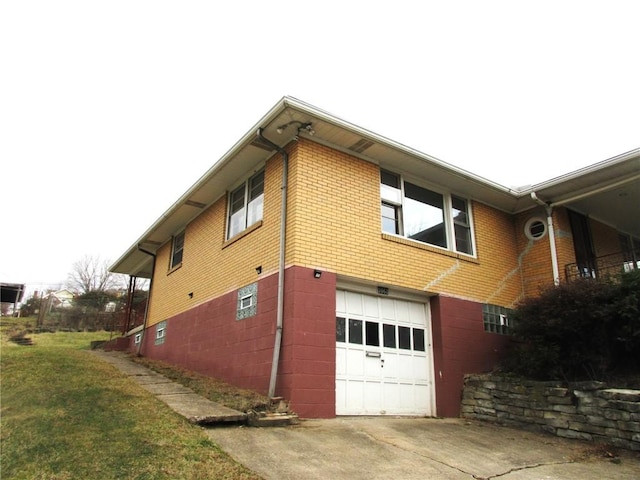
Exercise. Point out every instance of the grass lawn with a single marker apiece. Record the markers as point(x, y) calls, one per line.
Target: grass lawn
point(68, 415)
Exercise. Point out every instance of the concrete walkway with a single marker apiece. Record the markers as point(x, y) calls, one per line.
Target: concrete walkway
point(182, 400)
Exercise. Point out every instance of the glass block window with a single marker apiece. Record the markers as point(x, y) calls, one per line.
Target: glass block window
point(496, 319)
point(161, 332)
point(247, 301)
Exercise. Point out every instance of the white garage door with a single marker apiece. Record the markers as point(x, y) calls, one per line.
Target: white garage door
point(383, 356)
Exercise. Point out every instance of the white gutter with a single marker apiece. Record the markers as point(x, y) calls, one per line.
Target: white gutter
point(552, 238)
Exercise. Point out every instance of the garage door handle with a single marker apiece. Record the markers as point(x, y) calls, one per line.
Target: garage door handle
point(373, 354)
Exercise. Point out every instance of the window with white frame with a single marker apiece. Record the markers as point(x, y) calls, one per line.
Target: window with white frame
point(424, 215)
point(247, 301)
point(246, 204)
point(161, 332)
point(177, 248)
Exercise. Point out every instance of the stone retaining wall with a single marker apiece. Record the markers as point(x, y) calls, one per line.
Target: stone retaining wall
point(586, 410)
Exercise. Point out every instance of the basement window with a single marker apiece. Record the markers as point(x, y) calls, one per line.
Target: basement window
point(137, 339)
point(161, 332)
point(496, 319)
point(247, 302)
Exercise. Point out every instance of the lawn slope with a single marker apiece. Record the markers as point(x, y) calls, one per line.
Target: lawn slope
point(66, 415)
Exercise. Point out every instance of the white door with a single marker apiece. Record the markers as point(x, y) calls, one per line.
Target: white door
point(383, 356)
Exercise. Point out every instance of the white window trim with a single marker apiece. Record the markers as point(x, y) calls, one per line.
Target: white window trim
point(160, 333)
point(173, 245)
point(245, 182)
point(448, 213)
point(246, 297)
point(530, 223)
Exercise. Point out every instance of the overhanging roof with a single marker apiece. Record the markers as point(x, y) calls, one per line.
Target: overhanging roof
point(11, 292)
point(336, 133)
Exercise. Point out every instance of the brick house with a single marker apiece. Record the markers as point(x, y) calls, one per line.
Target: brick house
point(350, 274)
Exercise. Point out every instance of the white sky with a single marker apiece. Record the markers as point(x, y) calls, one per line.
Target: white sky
point(110, 110)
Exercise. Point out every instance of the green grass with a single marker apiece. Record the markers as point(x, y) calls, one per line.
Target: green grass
point(66, 415)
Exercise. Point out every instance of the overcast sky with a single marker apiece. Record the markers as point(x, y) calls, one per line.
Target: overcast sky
point(110, 110)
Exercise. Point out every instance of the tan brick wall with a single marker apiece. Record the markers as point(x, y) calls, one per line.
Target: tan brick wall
point(606, 239)
point(536, 254)
point(564, 240)
point(334, 224)
point(212, 266)
point(337, 227)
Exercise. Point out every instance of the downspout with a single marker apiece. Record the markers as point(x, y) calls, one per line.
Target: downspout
point(552, 238)
point(283, 230)
point(146, 310)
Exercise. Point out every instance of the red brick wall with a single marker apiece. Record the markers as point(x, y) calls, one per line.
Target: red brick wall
point(307, 375)
point(460, 345)
point(208, 339)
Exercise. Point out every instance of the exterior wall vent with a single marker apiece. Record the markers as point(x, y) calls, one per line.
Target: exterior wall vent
point(361, 145)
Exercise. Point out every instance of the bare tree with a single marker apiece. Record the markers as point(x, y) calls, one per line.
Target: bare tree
point(91, 274)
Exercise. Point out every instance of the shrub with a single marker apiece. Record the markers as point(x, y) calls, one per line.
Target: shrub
point(582, 330)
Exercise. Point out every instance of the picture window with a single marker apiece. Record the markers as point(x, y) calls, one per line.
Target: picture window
point(424, 215)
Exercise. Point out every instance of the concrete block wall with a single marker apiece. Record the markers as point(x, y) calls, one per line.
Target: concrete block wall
point(586, 410)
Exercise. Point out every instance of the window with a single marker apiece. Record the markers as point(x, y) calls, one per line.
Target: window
point(461, 225)
point(496, 319)
point(246, 204)
point(535, 228)
point(424, 215)
point(176, 250)
point(138, 338)
point(247, 302)
point(161, 332)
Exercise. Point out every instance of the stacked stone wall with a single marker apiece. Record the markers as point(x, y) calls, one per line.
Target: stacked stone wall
point(586, 410)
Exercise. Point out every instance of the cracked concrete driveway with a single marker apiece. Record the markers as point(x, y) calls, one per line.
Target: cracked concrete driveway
point(416, 448)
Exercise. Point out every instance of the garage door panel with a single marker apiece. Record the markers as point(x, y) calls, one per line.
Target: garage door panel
point(372, 397)
point(355, 362)
point(387, 308)
point(415, 313)
point(417, 367)
point(402, 311)
point(355, 397)
point(341, 302)
point(354, 304)
point(371, 309)
point(341, 362)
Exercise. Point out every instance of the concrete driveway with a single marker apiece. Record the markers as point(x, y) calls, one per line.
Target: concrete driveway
point(416, 448)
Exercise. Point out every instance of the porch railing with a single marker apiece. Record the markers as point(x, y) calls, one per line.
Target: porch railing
point(604, 267)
